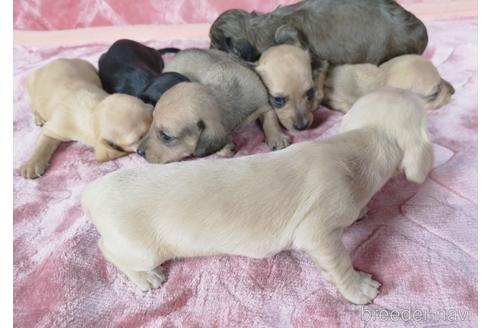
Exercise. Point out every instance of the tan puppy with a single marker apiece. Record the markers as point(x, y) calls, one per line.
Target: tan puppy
point(197, 118)
point(347, 83)
point(287, 73)
point(259, 205)
point(68, 101)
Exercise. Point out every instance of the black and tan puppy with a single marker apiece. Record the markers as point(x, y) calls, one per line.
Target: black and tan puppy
point(198, 117)
point(132, 68)
point(339, 31)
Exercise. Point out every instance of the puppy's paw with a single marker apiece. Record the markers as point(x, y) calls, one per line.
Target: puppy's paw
point(229, 150)
point(33, 169)
point(278, 141)
point(147, 280)
point(362, 289)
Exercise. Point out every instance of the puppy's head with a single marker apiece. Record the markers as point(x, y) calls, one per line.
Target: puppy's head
point(229, 33)
point(419, 75)
point(186, 122)
point(287, 73)
point(121, 121)
point(400, 115)
point(160, 84)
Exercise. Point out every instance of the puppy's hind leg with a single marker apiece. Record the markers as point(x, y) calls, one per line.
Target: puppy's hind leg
point(150, 274)
point(334, 260)
point(39, 161)
point(274, 136)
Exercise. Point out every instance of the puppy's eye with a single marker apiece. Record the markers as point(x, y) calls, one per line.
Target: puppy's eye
point(165, 137)
point(114, 146)
point(434, 95)
point(277, 102)
point(310, 94)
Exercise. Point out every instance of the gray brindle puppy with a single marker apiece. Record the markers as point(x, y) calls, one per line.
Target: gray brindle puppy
point(339, 31)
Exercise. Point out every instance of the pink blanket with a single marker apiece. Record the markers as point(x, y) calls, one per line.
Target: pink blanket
point(420, 242)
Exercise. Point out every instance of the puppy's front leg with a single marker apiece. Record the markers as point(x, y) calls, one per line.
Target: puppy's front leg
point(39, 161)
point(334, 260)
point(274, 136)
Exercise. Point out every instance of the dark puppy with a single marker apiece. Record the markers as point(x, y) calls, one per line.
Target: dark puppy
point(132, 68)
point(159, 85)
point(340, 31)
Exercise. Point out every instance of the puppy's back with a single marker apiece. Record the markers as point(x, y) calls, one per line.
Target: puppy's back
point(194, 63)
point(59, 82)
point(237, 88)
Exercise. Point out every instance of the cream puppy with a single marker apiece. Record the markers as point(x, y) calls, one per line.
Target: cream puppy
point(347, 83)
point(295, 89)
point(69, 102)
point(259, 205)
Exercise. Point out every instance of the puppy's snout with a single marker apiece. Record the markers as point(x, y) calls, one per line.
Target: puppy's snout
point(141, 151)
point(301, 125)
point(450, 86)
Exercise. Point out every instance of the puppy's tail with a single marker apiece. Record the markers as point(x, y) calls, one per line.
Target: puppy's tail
point(168, 50)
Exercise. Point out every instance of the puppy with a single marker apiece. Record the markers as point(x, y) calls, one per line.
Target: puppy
point(347, 83)
point(197, 118)
point(287, 72)
point(340, 31)
point(132, 68)
point(259, 205)
point(68, 101)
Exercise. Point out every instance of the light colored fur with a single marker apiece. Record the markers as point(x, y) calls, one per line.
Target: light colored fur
point(286, 71)
point(347, 83)
point(259, 205)
point(69, 102)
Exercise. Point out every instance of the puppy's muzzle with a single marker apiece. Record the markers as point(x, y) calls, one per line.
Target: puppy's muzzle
point(449, 86)
point(301, 125)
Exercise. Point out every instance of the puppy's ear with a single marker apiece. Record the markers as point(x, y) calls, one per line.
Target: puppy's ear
point(242, 48)
point(159, 85)
point(290, 35)
point(106, 151)
point(418, 158)
point(318, 66)
point(210, 140)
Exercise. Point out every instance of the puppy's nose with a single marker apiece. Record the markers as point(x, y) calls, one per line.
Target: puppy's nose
point(302, 125)
point(450, 86)
point(141, 152)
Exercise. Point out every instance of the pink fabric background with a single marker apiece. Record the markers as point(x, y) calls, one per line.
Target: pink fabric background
point(69, 14)
point(420, 242)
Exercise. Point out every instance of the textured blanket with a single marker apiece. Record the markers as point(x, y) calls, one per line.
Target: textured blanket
point(419, 241)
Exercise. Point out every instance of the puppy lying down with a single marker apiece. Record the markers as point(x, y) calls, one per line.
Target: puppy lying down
point(134, 69)
point(70, 104)
point(197, 118)
point(340, 31)
point(347, 83)
point(259, 205)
